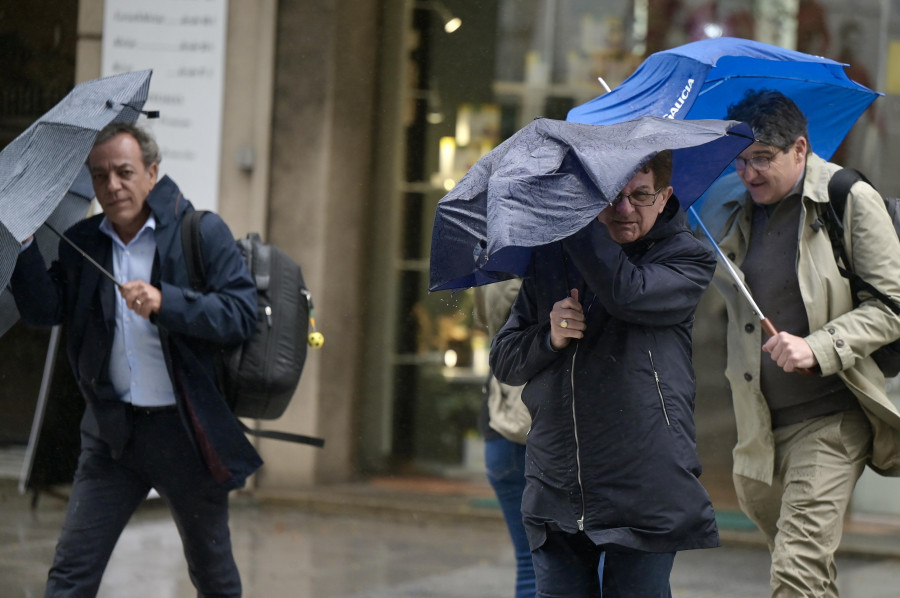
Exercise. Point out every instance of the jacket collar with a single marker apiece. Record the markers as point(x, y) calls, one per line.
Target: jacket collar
point(671, 221)
point(166, 202)
point(815, 181)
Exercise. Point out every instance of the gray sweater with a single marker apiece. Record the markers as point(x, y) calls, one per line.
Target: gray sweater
point(770, 273)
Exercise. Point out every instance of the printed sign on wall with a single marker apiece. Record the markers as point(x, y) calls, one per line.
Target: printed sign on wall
point(183, 42)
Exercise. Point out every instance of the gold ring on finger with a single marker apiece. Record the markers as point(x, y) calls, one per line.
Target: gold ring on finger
point(564, 323)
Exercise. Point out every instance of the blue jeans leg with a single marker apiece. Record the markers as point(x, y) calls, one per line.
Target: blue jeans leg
point(635, 574)
point(572, 566)
point(505, 465)
point(566, 566)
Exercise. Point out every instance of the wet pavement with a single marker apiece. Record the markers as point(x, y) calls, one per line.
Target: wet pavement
point(378, 540)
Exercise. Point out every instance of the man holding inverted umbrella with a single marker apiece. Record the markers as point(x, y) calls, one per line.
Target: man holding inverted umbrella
point(600, 335)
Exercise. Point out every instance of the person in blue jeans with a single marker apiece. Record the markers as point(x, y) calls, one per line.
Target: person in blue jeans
point(504, 423)
point(505, 466)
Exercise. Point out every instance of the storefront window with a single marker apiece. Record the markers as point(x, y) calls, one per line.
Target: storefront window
point(513, 60)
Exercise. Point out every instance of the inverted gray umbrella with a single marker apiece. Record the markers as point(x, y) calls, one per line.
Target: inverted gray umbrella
point(73, 207)
point(551, 178)
point(39, 166)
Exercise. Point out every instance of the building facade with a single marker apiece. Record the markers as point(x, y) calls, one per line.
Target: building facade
point(359, 115)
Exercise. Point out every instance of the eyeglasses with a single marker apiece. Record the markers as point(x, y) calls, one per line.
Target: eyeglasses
point(759, 163)
point(639, 199)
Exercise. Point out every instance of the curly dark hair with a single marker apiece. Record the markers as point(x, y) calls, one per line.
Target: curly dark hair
point(775, 119)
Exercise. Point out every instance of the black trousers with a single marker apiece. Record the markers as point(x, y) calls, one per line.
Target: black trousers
point(106, 492)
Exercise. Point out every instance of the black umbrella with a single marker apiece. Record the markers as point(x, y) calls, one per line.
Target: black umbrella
point(552, 177)
point(39, 166)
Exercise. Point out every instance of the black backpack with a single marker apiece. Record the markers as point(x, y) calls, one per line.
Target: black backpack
point(888, 356)
point(259, 377)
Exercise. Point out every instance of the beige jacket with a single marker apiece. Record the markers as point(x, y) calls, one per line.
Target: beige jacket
point(507, 414)
point(842, 337)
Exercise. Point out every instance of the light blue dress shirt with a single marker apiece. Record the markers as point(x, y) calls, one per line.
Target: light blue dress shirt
point(137, 367)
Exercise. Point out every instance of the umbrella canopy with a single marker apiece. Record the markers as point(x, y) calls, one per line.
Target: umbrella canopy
point(39, 166)
point(552, 177)
point(73, 207)
point(701, 79)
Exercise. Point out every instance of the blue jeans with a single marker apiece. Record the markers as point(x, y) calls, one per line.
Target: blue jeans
point(505, 465)
point(567, 566)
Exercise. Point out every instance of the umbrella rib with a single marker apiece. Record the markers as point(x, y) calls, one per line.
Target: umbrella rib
point(711, 84)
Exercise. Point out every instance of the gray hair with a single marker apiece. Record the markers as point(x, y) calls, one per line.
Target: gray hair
point(150, 153)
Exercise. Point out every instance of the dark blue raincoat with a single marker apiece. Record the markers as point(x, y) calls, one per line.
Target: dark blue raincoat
point(612, 446)
point(193, 326)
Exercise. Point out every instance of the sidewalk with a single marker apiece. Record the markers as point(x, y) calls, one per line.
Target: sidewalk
point(384, 538)
point(448, 500)
point(469, 498)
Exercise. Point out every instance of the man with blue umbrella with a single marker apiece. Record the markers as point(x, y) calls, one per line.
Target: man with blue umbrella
point(803, 440)
point(600, 334)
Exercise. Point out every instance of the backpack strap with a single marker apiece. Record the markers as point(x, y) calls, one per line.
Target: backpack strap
point(192, 249)
point(286, 436)
point(838, 190)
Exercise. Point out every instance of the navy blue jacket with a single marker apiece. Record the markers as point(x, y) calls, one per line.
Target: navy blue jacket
point(612, 447)
point(192, 326)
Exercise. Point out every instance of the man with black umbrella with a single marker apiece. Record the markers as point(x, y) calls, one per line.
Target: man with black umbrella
point(803, 440)
point(143, 356)
point(600, 335)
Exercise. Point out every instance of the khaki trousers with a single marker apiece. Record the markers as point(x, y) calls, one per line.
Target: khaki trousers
point(817, 465)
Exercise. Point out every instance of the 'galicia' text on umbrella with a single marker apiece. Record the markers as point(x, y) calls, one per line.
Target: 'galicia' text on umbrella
point(680, 101)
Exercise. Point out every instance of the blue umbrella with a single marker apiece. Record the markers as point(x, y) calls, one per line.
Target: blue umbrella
point(551, 178)
point(701, 79)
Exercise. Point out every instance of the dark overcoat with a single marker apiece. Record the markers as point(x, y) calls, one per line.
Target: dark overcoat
point(192, 325)
point(612, 448)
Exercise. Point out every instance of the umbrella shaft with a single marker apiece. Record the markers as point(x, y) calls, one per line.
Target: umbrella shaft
point(766, 324)
point(727, 262)
point(84, 255)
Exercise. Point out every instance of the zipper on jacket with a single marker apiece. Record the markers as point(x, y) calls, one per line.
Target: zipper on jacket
point(577, 443)
point(575, 425)
point(658, 388)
